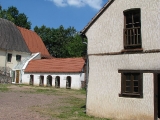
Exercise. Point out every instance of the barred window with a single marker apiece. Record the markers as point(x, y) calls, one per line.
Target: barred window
point(132, 29)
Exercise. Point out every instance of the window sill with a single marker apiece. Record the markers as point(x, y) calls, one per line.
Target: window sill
point(130, 95)
point(132, 50)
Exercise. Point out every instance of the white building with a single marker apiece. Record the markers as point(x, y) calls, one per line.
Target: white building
point(56, 72)
point(35, 46)
point(13, 48)
point(17, 47)
point(124, 53)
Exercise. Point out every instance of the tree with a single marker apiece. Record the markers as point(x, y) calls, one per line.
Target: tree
point(13, 15)
point(61, 42)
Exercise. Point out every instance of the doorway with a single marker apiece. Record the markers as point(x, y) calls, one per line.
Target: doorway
point(41, 83)
point(31, 79)
point(156, 96)
point(49, 80)
point(68, 82)
point(17, 76)
point(57, 82)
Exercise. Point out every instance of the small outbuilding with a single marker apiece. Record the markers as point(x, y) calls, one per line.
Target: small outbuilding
point(56, 72)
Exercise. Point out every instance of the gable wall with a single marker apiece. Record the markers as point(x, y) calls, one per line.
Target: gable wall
point(13, 60)
point(106, 34)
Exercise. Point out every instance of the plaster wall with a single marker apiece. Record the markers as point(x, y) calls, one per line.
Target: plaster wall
point(2, 58)
point(3, 55)
point(14, 62)
point(106, 34)
point(76, 79)
point(105, 85)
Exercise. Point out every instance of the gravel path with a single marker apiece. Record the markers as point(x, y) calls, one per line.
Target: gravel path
point(16, 104)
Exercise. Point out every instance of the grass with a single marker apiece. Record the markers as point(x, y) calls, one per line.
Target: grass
point(71, 108)
point(4, 87)
point(69, 103)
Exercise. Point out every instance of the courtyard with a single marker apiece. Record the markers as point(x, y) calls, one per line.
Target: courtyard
point(23, 102)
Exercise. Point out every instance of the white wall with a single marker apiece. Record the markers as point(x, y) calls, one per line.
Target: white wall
point(2, 58)
point(106, 34)
point(75, 79)
point(105, 85)
point(13, 60)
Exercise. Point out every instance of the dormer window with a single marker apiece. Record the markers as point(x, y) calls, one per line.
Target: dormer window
point(132, 29)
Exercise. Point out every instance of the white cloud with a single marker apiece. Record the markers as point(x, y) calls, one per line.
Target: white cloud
point(96, 4)
point(77, 3)
point(60, 3)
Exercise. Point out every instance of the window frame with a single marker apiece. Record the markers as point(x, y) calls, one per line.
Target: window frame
point(18, 57)
point(9, 57)
point(131, 93)
point(132, 35)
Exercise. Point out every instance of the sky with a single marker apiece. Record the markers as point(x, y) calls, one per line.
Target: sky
point(53, 13)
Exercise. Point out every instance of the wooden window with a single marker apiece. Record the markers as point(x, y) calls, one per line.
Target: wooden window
point(131, 85)
point(18, 57)
point(9, 57)
point(132, 29)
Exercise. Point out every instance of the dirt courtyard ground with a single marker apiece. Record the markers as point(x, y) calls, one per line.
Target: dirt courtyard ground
point(20, 102)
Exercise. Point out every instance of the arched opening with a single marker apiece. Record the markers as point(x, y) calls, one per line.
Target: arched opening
point(68, 82)
point(41, 82)
point(49, 80)
point(57, 82)
point(31, 81)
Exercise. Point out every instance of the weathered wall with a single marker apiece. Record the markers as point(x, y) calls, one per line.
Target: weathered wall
point(106, 34)
point(13, 60)
point(76, 79)
point(105, 85)
point(2, 58)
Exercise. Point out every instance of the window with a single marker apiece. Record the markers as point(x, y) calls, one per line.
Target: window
point(131, 85)
point(9, 57)
point(132, 29)
point(18, 57)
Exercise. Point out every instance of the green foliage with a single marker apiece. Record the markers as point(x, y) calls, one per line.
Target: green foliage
point(61, 42)
point(4, 87)
point(12, 14)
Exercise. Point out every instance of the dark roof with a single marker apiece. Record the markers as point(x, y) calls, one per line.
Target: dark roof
point(11, 38)
point(56, 65)
point(101, 11)
point(34, 42)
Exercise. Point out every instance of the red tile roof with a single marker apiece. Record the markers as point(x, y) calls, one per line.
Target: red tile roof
point(34, 42)
point(56, 65)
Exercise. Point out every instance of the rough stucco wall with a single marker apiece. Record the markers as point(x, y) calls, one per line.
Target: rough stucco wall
point(106, 34)
point(75, 79)
point(105, 85)
point(13, 60)
point(2, 58)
